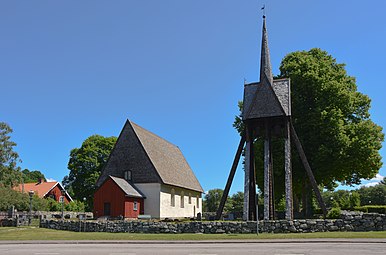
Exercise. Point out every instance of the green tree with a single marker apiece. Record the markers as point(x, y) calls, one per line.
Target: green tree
point(332, 119)
point(383, 182)
point(212, 201)
point(333, 122)
point(32, 176)
point(375, 195)
point(237, 202)
point(85, 166)
point(9, 171)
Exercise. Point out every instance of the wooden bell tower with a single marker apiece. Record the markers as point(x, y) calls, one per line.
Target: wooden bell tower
point(267, 113)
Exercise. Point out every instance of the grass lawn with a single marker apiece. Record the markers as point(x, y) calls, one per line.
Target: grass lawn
point(34, 233)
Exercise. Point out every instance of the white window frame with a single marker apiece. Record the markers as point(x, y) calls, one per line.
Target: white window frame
point(135, 206)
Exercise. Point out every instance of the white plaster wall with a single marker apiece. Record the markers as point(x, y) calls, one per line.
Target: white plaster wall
point(189, 209)
point(152, 201)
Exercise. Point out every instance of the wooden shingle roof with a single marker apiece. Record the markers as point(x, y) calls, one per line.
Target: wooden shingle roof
point(167, 159)
point(150, 158)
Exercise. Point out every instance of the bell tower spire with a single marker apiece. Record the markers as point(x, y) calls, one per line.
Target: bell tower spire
point(265, 62)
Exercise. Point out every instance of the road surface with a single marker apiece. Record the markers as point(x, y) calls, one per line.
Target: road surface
point(313, 248)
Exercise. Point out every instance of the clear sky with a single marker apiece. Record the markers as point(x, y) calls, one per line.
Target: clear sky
point(71, 69)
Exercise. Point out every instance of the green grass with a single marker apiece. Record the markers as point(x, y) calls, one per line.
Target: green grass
point(33, 233)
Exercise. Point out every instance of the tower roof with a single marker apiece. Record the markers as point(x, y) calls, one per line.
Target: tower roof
point(267, 98)
point(265, 61)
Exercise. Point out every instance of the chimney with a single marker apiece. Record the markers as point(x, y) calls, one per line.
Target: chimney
point(40, 180)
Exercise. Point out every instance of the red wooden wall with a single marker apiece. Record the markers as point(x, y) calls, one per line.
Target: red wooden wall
point(56, 192)
point(110, 192)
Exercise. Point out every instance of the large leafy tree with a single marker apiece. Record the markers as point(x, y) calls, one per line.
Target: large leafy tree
point(332, 121)
point(9, 171)
point(85, 166)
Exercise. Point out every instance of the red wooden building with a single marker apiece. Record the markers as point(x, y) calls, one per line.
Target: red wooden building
point(45, 190)
point(117, 197)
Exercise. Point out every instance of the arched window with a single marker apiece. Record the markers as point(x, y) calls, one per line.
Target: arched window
point(197, 202)
point(190, 198)
point(182, 200)
point(173, 198)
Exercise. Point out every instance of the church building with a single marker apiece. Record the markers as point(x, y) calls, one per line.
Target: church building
point(146, 175)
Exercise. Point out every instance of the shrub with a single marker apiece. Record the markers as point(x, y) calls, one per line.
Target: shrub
point(75, 206)
point(21, 201)
point(371, 209)
point(334, 213)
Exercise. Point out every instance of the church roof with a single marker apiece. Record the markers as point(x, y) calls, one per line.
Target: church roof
point(150, 158)
point(167, 159)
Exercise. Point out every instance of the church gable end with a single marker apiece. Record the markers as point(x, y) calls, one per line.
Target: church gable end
point(128, 154)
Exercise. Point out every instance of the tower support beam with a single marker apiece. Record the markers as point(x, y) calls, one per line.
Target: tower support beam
point(267, 179)
point(230, 177)
point(288, 172)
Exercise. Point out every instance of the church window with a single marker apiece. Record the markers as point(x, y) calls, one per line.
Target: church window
point(127, 175)
point(173, 198)
point(182, 200)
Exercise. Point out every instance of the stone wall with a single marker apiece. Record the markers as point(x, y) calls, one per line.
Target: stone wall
point(348, 222)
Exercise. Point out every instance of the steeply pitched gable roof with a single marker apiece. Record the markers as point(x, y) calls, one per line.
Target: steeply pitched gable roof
point(151, 159)
point(129, 189)
point(167, 159)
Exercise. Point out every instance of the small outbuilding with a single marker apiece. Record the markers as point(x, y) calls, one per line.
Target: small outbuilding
point(117, 197)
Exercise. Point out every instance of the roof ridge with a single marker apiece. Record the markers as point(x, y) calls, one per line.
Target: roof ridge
point(133, 123)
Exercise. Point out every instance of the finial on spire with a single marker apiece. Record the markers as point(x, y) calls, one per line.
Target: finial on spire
point(263, 9)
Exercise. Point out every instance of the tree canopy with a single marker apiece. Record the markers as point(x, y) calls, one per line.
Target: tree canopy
point(85, 166)
point(332, 120)
point(212, 200)
point(9, 171)
point(32, 176)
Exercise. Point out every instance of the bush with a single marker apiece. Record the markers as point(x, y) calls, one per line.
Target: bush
point(21, 201)
point(75, 206)
point(53, 205)
point(371, 209)
point(334, 213)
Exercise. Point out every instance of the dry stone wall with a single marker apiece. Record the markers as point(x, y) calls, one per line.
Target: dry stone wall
point(348, 222)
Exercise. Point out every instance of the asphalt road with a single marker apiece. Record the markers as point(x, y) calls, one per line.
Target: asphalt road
point(193, 248)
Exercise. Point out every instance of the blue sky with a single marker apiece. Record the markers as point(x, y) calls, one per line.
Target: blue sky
point(71, 69)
